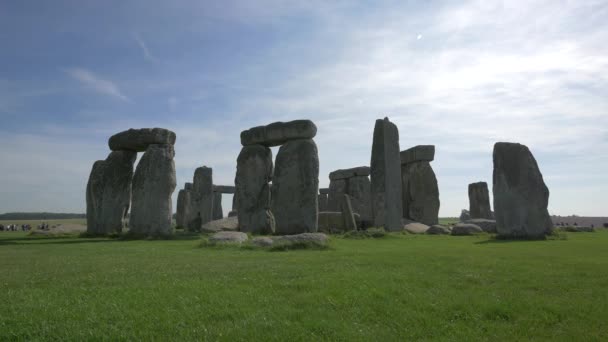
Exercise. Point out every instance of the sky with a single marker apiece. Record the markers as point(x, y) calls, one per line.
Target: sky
point(460, 75)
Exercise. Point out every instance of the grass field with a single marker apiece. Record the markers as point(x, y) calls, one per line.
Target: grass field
point(35, 223)
point(401, 287)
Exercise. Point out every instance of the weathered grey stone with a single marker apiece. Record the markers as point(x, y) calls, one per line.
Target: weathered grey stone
point(236, 238)
point(415, 227)
point(139, 139)
point(153, 184)
point(479, 201)
point(418, 153)
point(347, 214)
point(466, 229)
point(218, 212)
point(278, 133)
point(464, 215)
point(295, 186)
point(322, 202)
point(232, 213)
point(318, 238)
point(488, 226)
point(188, 186)
point(420, 193)
point(337, 188)
point(254, 171)
point(109, 193)
point(386, 177)
point(202, 202)
point(359, 190)
point(262, 241)
point(348, 173)
point(520, 194)
point(333, 222)
point(225, 224)
point(224, 189)
point(438, 229)
point(324, 191)
point(184, 205)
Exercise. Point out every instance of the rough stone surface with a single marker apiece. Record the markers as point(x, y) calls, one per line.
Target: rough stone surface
point(347, 214)
point(420, 193)
point(278, 133)
point(322, 202)
point(386, 177)
point(520, 194)
point(233, 213)
point(337, 188)
point(348, 173)
point(324, 191)
point(479, 201)
point(225, 224)
point(262, 241)
point(488, 226)
point(295, 186)
point(319, 238)
point(254, 172)
point(228, 238)
point(464, 215)
point(94, 198)
point(184, 204)
point(217, 206)
point(333, 222)
point(415, 228)
point(418, 153)
point(224, 189)
point(466, 229)
point(153, 184)
point(437, 229)
point(188, 186)
point(139, 139)
point(202, 203)
point(359, 190)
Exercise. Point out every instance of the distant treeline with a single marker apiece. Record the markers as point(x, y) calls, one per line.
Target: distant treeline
point(40, 216)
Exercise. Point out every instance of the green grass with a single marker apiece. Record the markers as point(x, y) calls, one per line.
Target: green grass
point(396, 288)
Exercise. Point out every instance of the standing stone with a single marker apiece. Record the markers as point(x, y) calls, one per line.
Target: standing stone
point(386, 177)
point(218, 214)
point(184, 204)
point(252, 197)
point(347, 214)
point(337, 188)
point(295, 186)
point(322, 202)
point(188, 186)
point(109, 193)
point(520, 194)
point(359, 190)
point(202, 203)
point(420, 193)
point(153, 184)
point(479, 201)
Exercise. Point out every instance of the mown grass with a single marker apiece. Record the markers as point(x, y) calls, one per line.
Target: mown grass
point(400, 287)
point(35, 223)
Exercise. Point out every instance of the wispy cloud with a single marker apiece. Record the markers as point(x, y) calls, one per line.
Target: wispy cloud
point(144, 49)
point(95, 82)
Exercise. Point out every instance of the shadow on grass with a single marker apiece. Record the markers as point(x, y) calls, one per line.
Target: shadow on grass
point(69, 239)
point(555, 236)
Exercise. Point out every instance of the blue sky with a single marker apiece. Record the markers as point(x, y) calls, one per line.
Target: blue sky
point(457, 74)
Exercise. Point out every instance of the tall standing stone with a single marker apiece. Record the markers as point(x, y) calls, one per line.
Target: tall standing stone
point(322, 202)
point(217, 206)
point(252, 197)
point(109, 192)
point(479, 201)
point(295, 186)
point(420, 193)
point(153, 184)
point(202, 204)
point(184, 205)
point(337, 189)
point(359, 190)
point(347, 214)
point(520, 194)
point(386, 176)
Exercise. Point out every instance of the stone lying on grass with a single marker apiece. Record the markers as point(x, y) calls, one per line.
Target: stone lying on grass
point(415, 227)
point(262, 241)
point(226, 224)
point(466, 229)
point(317, 238)
point(438, 229)
point(228, 238)
point(488, 226)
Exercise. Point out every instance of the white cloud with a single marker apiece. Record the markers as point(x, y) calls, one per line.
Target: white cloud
point(144, 48)
point(93, 81)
